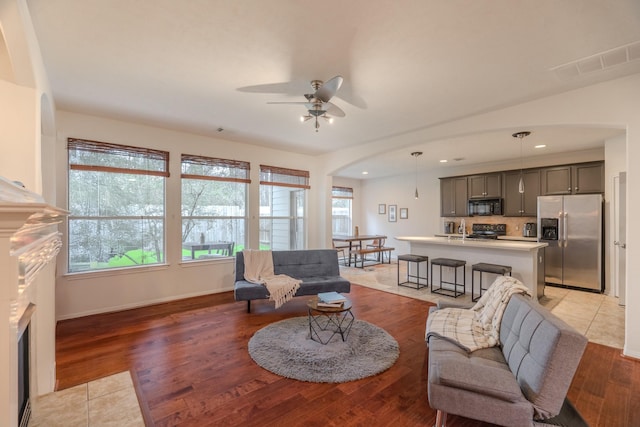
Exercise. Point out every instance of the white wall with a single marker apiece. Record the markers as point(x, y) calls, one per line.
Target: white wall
point(615, 155)
point(96, 292)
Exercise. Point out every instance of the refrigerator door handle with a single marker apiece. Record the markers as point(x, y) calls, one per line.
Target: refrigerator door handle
point(565, 231)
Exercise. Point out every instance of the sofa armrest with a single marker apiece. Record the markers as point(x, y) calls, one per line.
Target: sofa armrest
point(481, 379)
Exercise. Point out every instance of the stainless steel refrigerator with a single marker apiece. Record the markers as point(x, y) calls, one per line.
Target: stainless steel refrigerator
point(572, 226)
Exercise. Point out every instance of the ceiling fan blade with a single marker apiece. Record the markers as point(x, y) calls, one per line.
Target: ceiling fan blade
point(288, 102)
point(334, 110)
point(328, 89)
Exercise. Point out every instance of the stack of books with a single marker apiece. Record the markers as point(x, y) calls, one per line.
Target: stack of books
point(330, 299)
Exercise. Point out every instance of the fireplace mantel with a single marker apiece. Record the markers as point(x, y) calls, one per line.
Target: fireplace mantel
point(29, 241)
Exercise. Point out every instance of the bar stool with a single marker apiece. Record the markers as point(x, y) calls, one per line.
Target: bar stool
point(484, 267)
point(453, 263)
point(417, 259)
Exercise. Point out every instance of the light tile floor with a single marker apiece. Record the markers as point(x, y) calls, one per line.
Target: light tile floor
point(109, 401)
point(597, 316)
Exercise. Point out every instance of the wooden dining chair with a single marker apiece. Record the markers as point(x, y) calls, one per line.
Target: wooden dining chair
point(379, 244)
point(341, 250)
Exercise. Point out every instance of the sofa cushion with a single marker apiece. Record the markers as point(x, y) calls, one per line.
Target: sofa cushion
point(477, 377)
point(542, 351)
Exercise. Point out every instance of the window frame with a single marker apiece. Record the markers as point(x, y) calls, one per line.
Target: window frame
point(125, 160)
point(342, 193)
point(239, 172)
point(297, 180)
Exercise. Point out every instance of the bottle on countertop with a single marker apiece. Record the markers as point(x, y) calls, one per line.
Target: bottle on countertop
point(356, 231)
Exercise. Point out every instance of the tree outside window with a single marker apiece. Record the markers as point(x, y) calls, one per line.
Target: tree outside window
point(214, 200)
point(117, 205)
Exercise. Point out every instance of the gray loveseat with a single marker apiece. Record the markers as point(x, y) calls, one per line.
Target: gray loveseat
point(317, 268)
point(521, 383)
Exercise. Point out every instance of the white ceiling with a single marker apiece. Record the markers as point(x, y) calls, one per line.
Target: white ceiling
point(201, 65)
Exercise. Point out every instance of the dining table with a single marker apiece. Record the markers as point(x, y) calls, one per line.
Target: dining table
point(357, 239)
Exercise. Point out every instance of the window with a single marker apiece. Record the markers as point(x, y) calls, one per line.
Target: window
point(341, 201)
point(282, 208)
point(116, 204)
point(214, 200)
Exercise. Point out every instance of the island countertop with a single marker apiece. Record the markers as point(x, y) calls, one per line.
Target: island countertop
point(525, 258)
point(514, 245)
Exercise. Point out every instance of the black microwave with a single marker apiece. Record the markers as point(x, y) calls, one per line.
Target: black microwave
point(485, 207)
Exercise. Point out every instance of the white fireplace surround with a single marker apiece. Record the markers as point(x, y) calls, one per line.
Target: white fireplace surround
point(29, 243)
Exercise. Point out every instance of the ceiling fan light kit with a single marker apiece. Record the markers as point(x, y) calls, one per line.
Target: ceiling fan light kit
point(318, 104)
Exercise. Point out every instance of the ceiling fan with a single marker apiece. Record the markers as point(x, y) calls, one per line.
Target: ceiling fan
point(318, 104)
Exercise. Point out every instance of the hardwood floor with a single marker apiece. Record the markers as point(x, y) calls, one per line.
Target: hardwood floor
point(190, 365)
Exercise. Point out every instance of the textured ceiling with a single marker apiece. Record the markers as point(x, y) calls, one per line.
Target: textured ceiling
point(200, 65)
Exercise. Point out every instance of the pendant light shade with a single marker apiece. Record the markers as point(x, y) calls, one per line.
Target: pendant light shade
point(416, 154)
point(521, 135)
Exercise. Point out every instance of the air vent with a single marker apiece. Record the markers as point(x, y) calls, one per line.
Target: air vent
point(599, 62)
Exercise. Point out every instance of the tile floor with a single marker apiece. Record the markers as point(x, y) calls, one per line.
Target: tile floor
point(597, 316)
point(109, 401)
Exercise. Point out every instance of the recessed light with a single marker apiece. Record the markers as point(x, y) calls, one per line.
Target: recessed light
point(443, 161)
point(365, 173)
point(540, 146)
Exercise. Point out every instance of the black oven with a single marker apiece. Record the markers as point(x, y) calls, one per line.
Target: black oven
point(480, 207)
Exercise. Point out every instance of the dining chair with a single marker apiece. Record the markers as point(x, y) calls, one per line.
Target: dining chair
point(341, 251)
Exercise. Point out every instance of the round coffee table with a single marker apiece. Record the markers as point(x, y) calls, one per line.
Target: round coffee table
point(329, 321)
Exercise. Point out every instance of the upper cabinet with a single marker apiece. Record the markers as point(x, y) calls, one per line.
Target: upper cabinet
point(579, 178)
point(521, 204)
point(486, 185)
point(453, 196)
point(584, 178)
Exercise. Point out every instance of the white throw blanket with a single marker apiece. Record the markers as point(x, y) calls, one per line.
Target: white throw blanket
point(479, 326)
point(258, 268)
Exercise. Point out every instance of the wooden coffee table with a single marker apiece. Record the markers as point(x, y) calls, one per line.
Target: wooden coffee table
point(336, 320)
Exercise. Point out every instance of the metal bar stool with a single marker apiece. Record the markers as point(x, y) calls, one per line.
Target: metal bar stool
point(484, 267)
point(417, 259)
point(453, 263)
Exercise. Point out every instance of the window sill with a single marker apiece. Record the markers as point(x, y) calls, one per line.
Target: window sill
point(115, 271)
point(200, 262)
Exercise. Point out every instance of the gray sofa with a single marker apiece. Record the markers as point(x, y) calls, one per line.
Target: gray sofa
point(521, 383)
point(317, 268)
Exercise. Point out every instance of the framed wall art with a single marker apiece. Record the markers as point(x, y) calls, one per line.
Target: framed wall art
point(392, 213)
point(382, 209)
point(404, 213)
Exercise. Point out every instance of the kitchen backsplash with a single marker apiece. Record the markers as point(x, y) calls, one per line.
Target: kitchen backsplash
point(514, 224)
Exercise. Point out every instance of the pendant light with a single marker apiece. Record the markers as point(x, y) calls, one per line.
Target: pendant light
point(416, 154)
point(521, 135)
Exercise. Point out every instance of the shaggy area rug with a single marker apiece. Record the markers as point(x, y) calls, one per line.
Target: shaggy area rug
point(285, 349)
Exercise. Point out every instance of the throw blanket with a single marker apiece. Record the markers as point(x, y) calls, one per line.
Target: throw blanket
point(258, 268)
point(478, 327)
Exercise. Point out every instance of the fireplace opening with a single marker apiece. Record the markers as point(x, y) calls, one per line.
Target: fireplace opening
point(24, 404)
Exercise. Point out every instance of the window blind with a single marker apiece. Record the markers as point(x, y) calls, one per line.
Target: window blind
point(215, 169)
point(273, 175)
point(107, 157)
point(342, 192)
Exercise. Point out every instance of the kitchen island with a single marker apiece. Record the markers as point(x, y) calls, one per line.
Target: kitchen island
point(525, 258)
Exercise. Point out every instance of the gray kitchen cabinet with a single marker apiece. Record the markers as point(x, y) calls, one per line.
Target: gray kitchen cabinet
point(583, 178)
point(588, 178)
point(515, 203)
point(486, 185)
point(453, 196)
